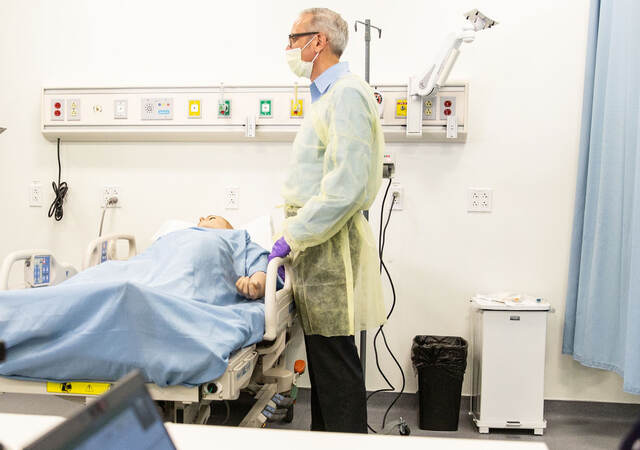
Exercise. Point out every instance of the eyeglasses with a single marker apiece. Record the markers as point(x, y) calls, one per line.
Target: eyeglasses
point(294, 37)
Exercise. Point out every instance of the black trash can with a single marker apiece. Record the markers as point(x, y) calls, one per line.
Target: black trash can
point(440, 362)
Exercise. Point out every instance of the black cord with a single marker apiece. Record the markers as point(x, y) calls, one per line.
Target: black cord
point(60, 190)
point(226, 419)
point(381, 243)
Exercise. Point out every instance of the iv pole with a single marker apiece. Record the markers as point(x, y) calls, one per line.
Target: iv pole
point(367, 50)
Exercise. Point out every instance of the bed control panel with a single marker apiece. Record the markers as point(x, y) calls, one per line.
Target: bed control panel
point(38, 270)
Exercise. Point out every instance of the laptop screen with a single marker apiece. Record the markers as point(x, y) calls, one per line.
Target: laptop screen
point(124, 418)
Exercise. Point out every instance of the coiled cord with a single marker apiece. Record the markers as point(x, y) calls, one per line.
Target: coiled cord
point(60, 190)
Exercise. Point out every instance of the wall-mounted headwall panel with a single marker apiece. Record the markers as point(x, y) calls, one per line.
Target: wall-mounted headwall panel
point(235, 113)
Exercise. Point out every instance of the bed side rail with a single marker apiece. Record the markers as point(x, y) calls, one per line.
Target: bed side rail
point(279, 308)
point(40, 268)
point(105, 249)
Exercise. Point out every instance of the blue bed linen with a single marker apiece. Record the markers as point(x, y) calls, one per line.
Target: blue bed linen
point(172, 311)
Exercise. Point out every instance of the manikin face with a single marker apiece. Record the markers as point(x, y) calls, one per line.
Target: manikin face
point(216, 222)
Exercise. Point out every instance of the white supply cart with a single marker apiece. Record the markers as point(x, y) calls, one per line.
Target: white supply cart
point(508, 357)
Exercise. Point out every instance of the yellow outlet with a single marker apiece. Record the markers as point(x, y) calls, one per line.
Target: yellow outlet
point(428, 104)
point(428, 111)
point(401, 107)
point(297, 109)
point(194, 109)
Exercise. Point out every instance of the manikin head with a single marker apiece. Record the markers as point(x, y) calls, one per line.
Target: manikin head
point(215, 222)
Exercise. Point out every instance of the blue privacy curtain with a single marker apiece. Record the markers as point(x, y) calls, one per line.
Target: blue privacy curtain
point(602, 320)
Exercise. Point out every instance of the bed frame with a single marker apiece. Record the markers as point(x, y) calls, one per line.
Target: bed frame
point(260, 366)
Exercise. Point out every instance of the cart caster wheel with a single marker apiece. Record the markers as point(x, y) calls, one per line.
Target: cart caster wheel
point(289, 417)
point(405, 430)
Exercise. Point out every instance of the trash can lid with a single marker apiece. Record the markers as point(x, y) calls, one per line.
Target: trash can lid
point(506, 303)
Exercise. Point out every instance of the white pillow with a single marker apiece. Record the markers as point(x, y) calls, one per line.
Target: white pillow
point(170, 226)
point(260, 230)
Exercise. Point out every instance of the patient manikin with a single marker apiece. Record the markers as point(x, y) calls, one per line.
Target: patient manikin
point(175, 311)
point(250, 287)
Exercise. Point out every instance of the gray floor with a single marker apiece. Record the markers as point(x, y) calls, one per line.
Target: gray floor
point(570, 425)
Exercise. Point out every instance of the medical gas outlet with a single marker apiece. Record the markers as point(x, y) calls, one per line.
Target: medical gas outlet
point(297, 108)
point(224, 108)
point(195, 109)
point(265, 108)
point(401, 108)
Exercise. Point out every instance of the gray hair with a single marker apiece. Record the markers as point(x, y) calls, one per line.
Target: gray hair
point(332, 25)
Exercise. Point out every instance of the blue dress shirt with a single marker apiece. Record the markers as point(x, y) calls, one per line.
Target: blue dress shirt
point(326, 79)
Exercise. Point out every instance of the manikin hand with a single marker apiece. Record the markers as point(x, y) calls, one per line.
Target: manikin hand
point(252, 287)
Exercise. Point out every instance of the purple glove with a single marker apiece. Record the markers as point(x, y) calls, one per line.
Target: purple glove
point(280, 250)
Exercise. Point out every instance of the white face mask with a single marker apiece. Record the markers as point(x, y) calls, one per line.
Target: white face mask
point(297, 65)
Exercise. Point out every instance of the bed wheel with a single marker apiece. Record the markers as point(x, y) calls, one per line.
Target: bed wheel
point(289, 417)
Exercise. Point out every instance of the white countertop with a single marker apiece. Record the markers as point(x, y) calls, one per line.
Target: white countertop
point(17, 430)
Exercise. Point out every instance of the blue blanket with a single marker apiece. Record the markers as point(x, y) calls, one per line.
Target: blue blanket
point(172, 311)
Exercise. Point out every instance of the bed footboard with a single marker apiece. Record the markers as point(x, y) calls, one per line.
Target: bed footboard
point(40, 268)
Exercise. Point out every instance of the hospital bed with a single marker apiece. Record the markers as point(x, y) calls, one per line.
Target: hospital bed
point(259, 367)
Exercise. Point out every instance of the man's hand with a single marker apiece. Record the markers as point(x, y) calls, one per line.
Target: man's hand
point(280, 249)
point(252, 287)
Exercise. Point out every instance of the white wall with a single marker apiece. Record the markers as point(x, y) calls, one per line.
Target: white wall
point(526, 78)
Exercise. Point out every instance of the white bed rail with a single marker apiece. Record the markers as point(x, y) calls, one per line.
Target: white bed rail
point(105, 249)
point(41, 268)
point(279, 309)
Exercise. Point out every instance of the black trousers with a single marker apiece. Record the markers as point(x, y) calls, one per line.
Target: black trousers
point(338, 395)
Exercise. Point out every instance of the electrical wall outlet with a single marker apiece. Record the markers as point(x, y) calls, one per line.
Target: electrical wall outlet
point(35, 193)
point(232, 198)
point(479, 200)
point(397, 196)
point(111, 192)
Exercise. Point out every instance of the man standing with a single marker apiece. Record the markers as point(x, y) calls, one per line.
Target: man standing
point(335, 174)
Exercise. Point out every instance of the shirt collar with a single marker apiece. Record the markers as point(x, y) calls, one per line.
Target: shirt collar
point(327, 78)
